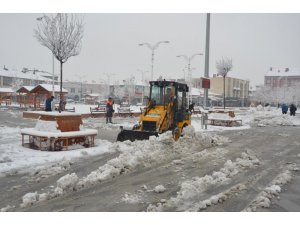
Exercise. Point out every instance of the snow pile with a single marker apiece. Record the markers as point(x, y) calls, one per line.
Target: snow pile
point(140, 154)
point(189, 196)
point(8, 207)
point(9, 133)
point(274, 117)
point(67, 182)
point(49, 126)
point(264, 198)
point(159, 189)
point(259, 108)
point(43, 197)
point(149, 153)
point(29, 199)
point(5, 159)
point(131, 198)
point(44, 172)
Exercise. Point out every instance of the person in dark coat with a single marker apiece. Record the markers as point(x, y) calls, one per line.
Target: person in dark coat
point(293, 109)
point(109, 110)
point(284, 108)
point(48, 104)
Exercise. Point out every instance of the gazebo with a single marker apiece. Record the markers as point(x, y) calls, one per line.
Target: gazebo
point(24, 97)
point(5, 95)
point(43, 91)
point(92, 98)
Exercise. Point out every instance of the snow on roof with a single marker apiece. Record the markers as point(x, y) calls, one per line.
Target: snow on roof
point(278, 72)
point(93, 94)
point(48, 87)
point(6, 90)
point(28, 75)
point(196, 91)
point(28, 88)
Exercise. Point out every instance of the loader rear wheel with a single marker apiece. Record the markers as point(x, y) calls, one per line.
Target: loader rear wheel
point(176, 133)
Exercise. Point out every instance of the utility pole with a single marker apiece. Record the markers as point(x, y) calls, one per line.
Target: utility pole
point(206, 68)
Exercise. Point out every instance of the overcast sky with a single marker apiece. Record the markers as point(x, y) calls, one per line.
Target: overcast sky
point(255, 42)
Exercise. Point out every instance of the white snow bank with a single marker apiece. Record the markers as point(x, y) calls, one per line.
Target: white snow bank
point(145, 154)
point(7, 208)
point(29, 199)
point(131, 198)
point(189, 196)
point(67, 182)
point(42, 172)
point(273, 117)
point(265, 197)
point(149, 153)
point(159, 189)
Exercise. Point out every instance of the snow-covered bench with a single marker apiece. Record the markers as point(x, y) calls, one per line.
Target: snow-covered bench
point(225, 122)
point(124, 111)
point(98, 110)
point(70, 109)
point(54, 141)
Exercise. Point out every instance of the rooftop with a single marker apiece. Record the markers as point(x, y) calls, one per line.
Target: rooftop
point(278, 72)
point(37, 75)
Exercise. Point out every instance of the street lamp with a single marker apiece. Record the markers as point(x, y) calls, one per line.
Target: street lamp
point(189, 59)
point(108, 75)
point(152, 48)
point(53, 91)
point(143, 83)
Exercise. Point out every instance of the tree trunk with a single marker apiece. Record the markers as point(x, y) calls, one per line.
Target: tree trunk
point(224, 92)
point(60, 92)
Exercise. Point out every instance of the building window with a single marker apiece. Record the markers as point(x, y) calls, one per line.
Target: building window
point(7, 81)
point(72, 90)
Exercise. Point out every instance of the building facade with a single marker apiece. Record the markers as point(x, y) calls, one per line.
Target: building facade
point(234, 87)
point(282, 77)
point(15, 78)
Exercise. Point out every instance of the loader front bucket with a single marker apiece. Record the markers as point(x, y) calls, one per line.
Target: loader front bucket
point(133, 135)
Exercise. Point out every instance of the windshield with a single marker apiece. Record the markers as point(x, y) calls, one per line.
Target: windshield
point(156, 94)
point(162, 94)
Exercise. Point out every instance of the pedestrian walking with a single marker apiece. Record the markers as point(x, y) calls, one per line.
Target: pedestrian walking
point(109, 110)
point(48, 104)
point(293, 109)
point(284, 108)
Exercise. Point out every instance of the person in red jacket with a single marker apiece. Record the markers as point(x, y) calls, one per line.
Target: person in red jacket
point(109, 110)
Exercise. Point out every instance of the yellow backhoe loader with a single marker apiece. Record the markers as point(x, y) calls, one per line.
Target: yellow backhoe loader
point(167, 109)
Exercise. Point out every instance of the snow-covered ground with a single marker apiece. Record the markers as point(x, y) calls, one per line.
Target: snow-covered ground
point(15, 159)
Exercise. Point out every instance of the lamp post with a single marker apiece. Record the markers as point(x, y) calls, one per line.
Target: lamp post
point(108, 75)
point(152, 48)
point(143, 83)
point(53, 91)
point(189, 59)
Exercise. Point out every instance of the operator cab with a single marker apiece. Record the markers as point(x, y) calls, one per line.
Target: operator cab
point(163, 92)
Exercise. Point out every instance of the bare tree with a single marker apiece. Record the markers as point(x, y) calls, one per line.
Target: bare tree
point(62, 35)
point(223, 67)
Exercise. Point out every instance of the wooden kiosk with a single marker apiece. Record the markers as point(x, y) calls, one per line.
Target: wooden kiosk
point(42, 91)
point(6, 96)
point(68, 133)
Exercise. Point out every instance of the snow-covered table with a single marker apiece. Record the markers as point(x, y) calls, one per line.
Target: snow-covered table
point(54, 141)
point(58, 131)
